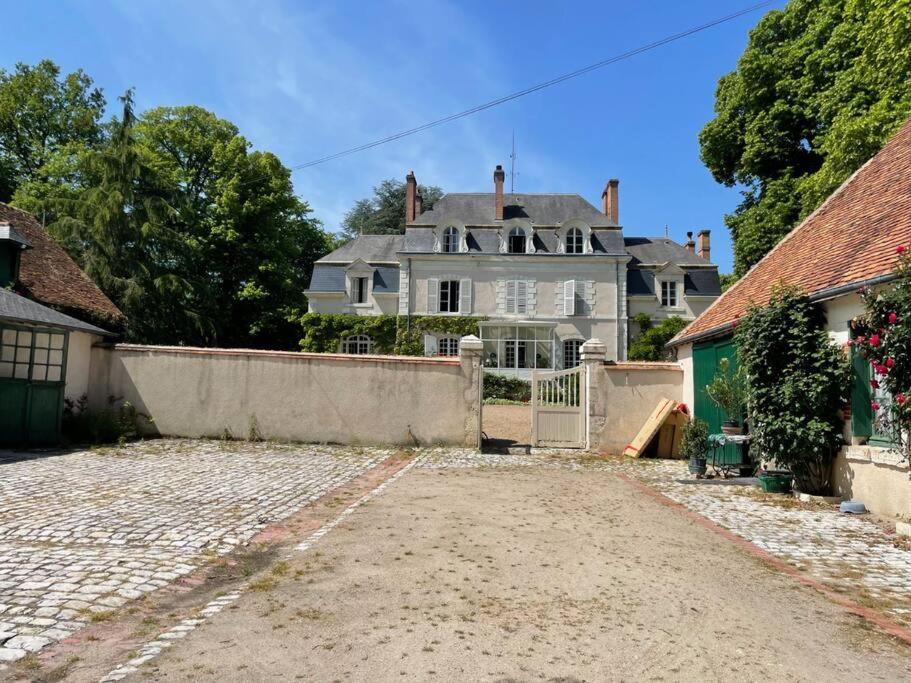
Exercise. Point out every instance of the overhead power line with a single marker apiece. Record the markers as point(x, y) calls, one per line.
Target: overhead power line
point(540, 86)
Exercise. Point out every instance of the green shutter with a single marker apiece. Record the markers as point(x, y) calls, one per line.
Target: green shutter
point(862, 394)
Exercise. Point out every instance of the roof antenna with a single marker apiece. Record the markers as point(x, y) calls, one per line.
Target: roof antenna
point(666, 235)
point(512, 165)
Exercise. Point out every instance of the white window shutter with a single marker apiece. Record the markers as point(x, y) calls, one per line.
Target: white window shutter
point(433, 296)
point(569, 297)
point(511, 296)
point(521, 296)
point(430, 345)
point(465, 296)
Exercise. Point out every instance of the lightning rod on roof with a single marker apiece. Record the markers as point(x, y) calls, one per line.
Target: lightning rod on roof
point(512, 165)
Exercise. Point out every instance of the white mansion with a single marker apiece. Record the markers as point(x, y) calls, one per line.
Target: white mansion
point(546, 271)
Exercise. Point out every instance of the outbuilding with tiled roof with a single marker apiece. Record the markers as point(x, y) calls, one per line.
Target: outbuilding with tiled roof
point(848, 243)
point(51, 314)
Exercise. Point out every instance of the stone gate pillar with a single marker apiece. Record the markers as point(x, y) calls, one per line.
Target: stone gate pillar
point(594, 353)
point(470, 351)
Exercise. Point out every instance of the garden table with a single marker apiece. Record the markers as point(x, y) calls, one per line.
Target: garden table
point(718, 441)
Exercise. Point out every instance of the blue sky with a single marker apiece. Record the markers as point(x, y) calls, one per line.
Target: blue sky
point(306, 79)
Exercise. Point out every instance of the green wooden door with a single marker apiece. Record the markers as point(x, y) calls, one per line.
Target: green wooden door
point(706, 357)
point(13, 408)
point(32, 381)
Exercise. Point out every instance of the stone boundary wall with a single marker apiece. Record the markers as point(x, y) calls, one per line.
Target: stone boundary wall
point(623, 395)
point(309, 397)
point(876, 476)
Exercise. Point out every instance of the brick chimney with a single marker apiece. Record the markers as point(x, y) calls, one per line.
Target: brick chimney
point(702, 241)
point(690, 245)
point(611, 200)
point(418, 205)
point(499, 175)
point(411, 193)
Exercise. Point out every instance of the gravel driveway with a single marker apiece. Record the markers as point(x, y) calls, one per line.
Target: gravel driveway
point(524, 573)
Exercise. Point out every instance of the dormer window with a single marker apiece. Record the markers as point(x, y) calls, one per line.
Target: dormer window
point(359, 290)
point(669, 294)
point(450, 240)
point(516, 242)
point(574, 241)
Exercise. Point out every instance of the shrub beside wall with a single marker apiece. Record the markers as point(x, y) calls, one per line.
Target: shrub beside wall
point(499, 388)
point(391, 334)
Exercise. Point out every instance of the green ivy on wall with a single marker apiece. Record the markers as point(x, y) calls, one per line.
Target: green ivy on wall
point(324, 332)
point(410, 342)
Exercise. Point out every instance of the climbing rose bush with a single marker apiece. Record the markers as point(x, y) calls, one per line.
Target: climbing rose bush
point(797, 383)
point(883, 337)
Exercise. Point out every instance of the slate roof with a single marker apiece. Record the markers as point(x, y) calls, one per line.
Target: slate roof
point(419, 240)
point(18, 309)
point(696, 282)
point(656, 250)
point(477, 209)
point(329, 277)
point(370, 248)
point(48, 275)
point(850, 239)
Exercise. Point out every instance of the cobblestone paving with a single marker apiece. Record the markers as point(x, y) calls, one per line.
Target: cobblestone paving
point(849, 554)
point(87, 531)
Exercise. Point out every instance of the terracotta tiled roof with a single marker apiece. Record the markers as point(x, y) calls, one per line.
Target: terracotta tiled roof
point(48, 275)
point(849, 239)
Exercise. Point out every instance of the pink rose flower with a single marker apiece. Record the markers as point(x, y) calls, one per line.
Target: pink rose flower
point(874, 405)
point(874, 384)
point(893, 318)
point(874, 340)
point(900, 249)
point(900, 398)
point(889, 362)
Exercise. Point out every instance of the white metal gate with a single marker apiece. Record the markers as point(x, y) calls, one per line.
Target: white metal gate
point(558, 401)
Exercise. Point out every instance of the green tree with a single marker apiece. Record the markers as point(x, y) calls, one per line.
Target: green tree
point(210, 245)
point(820, 87)
point(727, 280)
point(649, 345)
point(384, 212)
point(41, 112)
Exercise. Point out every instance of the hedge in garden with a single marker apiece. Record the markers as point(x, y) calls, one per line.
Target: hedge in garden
point(798, 381)
point(883, 337)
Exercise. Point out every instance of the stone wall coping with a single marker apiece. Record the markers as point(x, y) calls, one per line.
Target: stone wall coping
point(290, 355)
point(641, 365)
point(874, 454)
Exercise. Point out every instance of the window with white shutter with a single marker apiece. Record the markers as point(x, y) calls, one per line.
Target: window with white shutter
point(433, 296)
point(521, 296)
point(569, 297)
point(430, 345)
point(510, 296)
point(465, 293)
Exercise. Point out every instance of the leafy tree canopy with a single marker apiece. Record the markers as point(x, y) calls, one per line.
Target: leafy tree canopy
point(820, 87)
point(197, 238)
point(649, 345)
point(41, 112)
point(384, 212)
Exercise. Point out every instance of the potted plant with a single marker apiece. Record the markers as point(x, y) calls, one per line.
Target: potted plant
point(776, 481)
point(728, 391)
point(694, 444)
